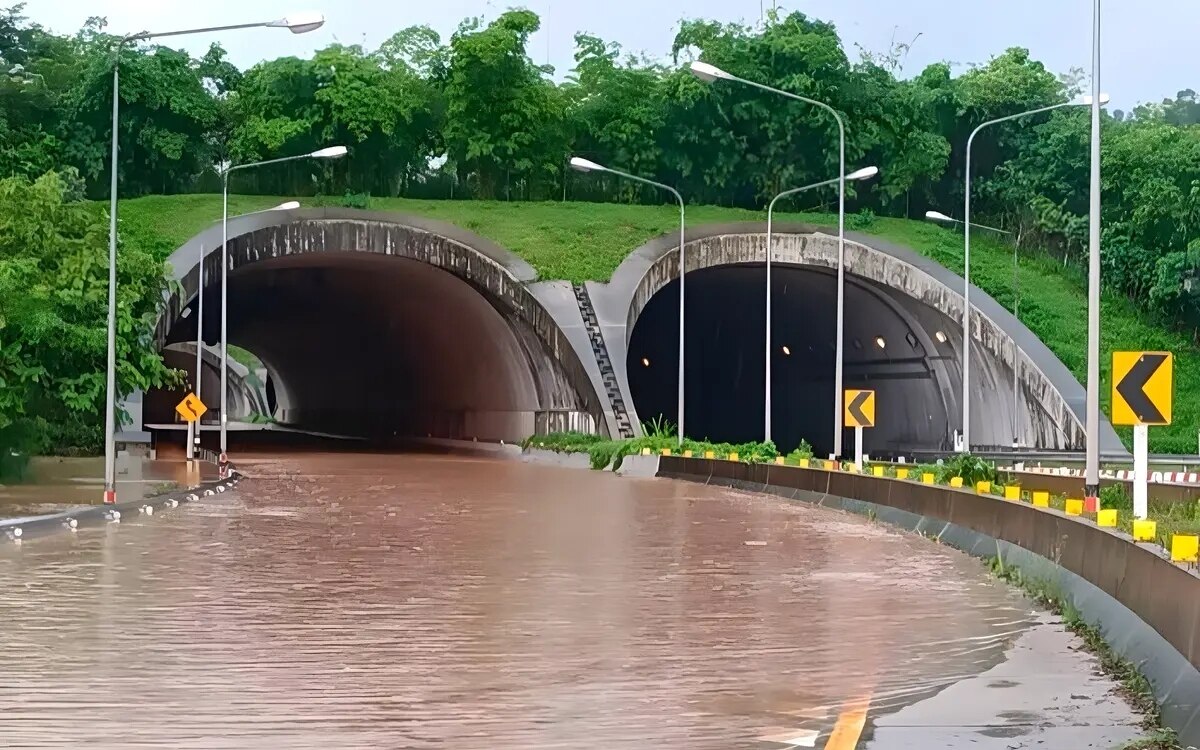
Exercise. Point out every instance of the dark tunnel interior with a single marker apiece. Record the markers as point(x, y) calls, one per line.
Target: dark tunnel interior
point(893, 344)
point(370, 345)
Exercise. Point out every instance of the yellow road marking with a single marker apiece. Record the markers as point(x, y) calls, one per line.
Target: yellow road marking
point(849, 726)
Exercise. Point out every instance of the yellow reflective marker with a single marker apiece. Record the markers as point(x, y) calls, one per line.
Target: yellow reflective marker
point(927, 478)
point(687, 454)
point(877, 470)
point(191, 408)
point(710, 454)
point(804, 463)
point(733, 456)
point(645, 451)
point(1041, 499)
point(666, 451)
point(1145, 531)
point(983, 488)
point(956, 481)
point(779, 460)
point(1185, 548)
point(830, 465)
point(1107, 518)
point(1142, 384)
point(1012, 492)
point(902, 473)
point(1074, 507)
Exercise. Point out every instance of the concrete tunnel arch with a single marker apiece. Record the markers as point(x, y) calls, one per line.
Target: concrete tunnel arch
point(378, 324)
point(910, 301)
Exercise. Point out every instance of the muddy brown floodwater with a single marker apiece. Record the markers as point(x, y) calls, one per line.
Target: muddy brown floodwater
point(367, 601)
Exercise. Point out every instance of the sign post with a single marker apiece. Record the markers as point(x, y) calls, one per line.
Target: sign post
point(1141, 396)
point(859, 413)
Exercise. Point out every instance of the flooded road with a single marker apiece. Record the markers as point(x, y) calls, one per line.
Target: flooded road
point(55, 484)
point(359, 601)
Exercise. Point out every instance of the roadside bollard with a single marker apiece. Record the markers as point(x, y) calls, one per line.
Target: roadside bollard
point(1185, 548)
point(1145, 531)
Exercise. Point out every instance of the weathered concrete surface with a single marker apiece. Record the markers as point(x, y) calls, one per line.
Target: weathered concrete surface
point(557, 373)
point(1050, 413)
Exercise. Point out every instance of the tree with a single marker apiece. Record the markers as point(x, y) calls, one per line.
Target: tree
point(53, 317)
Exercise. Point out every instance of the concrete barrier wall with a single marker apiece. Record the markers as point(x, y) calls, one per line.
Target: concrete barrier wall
point(1147, 607)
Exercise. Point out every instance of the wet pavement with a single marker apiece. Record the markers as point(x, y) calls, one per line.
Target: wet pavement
point(56, 484)
point(409, 601)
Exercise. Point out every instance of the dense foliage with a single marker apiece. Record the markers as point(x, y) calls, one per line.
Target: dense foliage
point(474, 117)
point(53, 313)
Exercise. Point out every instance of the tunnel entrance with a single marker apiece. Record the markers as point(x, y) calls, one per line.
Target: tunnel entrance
point(378, 346)
point(893, 344)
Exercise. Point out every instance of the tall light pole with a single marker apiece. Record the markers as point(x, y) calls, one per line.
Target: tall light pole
point(1092, 463)
point(583, 165)
point(332, 152)
point(297, 24)
point(943, 218)
point(710, 73)
point(863, 174)
point(966, 359)
point(289, 205)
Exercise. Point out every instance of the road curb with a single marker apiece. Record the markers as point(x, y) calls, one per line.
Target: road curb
point(18, 529)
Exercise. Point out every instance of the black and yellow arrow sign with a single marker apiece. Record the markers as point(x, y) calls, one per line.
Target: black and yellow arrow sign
point(1142, 388)
point(860, 408)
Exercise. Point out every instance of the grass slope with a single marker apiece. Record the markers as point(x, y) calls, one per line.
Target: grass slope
point(582, 241)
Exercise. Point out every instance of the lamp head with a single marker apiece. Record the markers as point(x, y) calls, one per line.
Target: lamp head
point(583, 165)
point(865, 173)
point(708, 72)
point(288, 206)
point(300, 23)
point(939, 216)
point(1086, 100)
point(330, 152)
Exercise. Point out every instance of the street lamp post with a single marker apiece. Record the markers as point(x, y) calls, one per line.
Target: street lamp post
point(1091, 479)
point(332, 152)
point(862, 174)
point(710, 73)
point(297, 24)
point(943, 218)
point(583, 165)
point(966, 368)
point(289, 205)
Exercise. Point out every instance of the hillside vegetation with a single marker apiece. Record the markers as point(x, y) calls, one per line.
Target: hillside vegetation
point(587, 241)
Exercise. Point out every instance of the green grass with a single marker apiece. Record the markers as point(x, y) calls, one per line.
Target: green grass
point(587, 241)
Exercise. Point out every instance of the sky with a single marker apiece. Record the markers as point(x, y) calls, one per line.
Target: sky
point(1148, 46)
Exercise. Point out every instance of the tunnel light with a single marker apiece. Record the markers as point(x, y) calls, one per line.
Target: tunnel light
point(645, 361)
point(787, 351)
point(880, 342)
point(940, 336)
point(857, 344)
point(187, 313)
point(331, 152)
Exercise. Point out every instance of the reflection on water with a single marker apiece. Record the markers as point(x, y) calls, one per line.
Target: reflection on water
point(358, 601)
point(55, 484)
